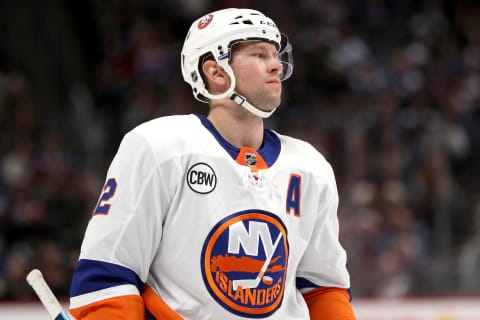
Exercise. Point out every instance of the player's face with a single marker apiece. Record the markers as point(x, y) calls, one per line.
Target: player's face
point(257, 69)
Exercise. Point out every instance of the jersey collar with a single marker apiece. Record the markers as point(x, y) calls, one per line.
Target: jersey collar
point(269, 151)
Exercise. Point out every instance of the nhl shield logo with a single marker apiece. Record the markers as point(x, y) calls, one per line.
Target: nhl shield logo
point(244, 263)
point(251, 159)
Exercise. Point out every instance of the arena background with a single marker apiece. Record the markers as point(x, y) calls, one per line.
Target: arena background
point(388, 91)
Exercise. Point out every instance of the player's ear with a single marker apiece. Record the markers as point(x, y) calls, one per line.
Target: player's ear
point(214, 74)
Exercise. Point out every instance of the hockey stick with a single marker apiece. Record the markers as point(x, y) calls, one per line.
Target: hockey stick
point(37, 282)
point(253, 283)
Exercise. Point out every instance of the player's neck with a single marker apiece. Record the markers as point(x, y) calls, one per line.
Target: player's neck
point(238, 126)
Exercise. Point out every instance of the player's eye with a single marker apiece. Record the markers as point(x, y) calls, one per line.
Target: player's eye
point(260, 55)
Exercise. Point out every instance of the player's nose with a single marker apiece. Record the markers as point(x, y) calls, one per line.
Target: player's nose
point(275, 66)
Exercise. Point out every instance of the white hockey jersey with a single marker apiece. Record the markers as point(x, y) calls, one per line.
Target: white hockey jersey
point(216, 232)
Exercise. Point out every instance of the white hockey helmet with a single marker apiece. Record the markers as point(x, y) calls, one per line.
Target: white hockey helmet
point(214, 35)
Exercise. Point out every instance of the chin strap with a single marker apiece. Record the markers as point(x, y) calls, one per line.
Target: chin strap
point(238, 99)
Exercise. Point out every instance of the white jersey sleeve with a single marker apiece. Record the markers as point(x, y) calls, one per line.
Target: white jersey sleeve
point(125, 229)
point(323, 263)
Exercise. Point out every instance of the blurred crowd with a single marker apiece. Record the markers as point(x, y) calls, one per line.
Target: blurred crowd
point(388, 91)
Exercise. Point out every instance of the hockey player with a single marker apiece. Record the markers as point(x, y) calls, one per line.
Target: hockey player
point(216, 217)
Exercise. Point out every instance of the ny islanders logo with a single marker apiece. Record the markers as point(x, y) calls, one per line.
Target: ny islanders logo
point(205, 21)
point(244, 263)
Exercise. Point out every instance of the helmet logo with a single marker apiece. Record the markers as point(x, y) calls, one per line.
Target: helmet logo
point(224, 56)
point(205, 21)
point(271, 24)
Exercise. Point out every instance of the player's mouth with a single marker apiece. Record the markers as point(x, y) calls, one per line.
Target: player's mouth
point(275, 82)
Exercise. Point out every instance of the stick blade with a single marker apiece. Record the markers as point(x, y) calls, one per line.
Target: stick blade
point(245, 283)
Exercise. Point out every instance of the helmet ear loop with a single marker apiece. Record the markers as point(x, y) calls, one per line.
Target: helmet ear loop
point(225, 66)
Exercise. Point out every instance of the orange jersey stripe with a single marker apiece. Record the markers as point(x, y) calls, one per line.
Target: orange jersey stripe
point(329, 304)
point(129, 307)
point(157, 307)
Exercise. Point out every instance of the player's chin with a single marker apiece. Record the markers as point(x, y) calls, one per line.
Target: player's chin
point(276, 98)
point(271, 103)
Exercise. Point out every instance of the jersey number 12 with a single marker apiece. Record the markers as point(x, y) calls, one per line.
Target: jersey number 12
point(108, 192)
